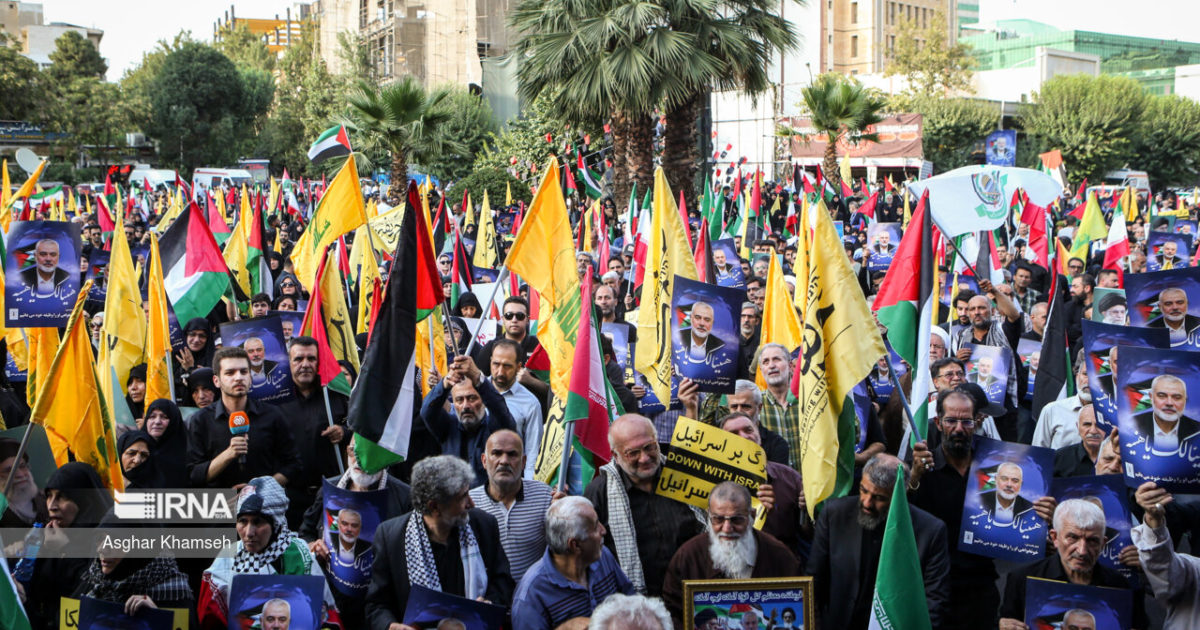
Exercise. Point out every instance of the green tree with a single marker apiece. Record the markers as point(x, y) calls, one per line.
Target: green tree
point(495, 181)
point(841, 109)
point(1168, 148)
point(951, 127)
point(471, 122)
point(74, 57)
point(931, 59)
point(246, 49)
point(20, 83)
point(89, 112)
point(1092, 120)
point(137, 85)
point(402, 121)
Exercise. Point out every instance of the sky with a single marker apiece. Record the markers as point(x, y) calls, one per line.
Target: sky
point(133, 27)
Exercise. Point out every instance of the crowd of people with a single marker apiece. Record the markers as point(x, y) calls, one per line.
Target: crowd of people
point(465, 514)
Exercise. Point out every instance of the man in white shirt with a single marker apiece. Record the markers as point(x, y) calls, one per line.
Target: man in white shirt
point(1057, 424)
point(1174, 577)
point(507, 360)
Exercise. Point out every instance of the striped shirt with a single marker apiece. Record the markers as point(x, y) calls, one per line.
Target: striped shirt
point(522, 526)
point(546, 598)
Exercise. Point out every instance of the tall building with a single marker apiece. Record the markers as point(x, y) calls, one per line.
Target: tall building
point(856, 35)
point(968, 15)
point(22, 23)
point(278, 32)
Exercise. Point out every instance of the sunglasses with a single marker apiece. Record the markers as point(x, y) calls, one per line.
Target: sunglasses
point(517, 315)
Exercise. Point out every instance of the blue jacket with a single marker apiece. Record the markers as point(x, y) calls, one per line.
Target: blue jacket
point(443, 426)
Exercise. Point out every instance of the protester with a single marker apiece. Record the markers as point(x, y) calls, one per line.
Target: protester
point(517, 504)
point(26, 504)
point(478, 412)
point(1173, 576)
point(165, 425)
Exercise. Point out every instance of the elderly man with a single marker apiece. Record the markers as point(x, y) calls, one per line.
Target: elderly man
point(644, 528)
point(746, 399)
point(260, 366)
point(1174, 577)
point(444, 544)
point(1078, 537)
point(985, 330)
point(1173, 303)
point(630, 612)
point(1005, 505)
point(731, 549)
point(1167, 256)
point(846, 549)
point(698, 342)
point(780, 412)
point(517, 504)
point(26, 503)
point(478, 411)
point(1164, 429)
point(575, 573)
point(1079, 460)
point(276, 615)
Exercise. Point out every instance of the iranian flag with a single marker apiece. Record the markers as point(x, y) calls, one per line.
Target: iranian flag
point(331, 143)
point(1118, 247)
point(382, 405)
point(905, 306)
point(196, 274)
point(46, 198)
point(590, 407)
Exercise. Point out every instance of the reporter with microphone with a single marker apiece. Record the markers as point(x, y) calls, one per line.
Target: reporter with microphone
point(236, 439)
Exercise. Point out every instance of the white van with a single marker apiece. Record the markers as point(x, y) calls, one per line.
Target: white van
point(1139, 180)
point(156, 176)
point(222, 177)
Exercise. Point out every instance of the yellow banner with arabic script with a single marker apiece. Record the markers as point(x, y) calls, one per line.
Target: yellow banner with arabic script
point(702, 456)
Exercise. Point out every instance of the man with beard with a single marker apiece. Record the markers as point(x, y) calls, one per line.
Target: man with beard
point(1056, 424)
point(518, 505)
point(939, 486)
point(1173, 303)
point(276, 615)
point(1079, 460)
point(1005, 505)
point(746, 400)
point(45, 279)
point(697, 343)
point(780, 412)
point(606, 303)
point(26, 504)
point(847, 544)
point(731, 549)
point(478, 411)
point(508, 359)
point(1166, 258)
point(575, 573)
point(317, 436)
point(1005, 333)
point(749, 329)
point(1163, 429)
point(1078, 538)
point(644, 528)
point(720, 263)
point(260, 366)
point(444, 544)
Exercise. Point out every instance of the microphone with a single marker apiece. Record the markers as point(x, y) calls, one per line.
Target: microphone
point(239, 424)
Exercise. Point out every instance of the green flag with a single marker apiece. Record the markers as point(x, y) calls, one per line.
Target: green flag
point(12, 613)
point(899, 602)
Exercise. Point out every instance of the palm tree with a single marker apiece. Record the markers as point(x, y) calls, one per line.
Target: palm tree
point(841, 108)
point(404, 121)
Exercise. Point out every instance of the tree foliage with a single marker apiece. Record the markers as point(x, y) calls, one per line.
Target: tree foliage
point(1094, 121)
point(245, 49)
point(78, 102)
point(137, 85)
point(841, 109)
point(951, 127)
point(20, 83)
point(931, 59)
point(471, 122)
point(1168, 148)
point(75, 57)
point(495, 181)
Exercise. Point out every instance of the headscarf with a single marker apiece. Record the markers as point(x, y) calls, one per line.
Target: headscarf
point(464, 333)
point(80, 483)
point(467, 299)
point(137, 372)
point(170, 450)
point(265, 497)
point(159, 578)
point(204, 357)
point(202, 377)
point(144, 474)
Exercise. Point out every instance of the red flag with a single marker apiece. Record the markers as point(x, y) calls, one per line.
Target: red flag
point(868, 207)
point(687, 230)
point(755, 195)
point(570, 179)
point(327, 365)
point(705, 267)
point(1082, 189)
point(1035, 218)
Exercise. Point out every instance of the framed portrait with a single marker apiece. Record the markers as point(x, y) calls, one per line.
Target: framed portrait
point(754, 604)
point(1167, 250)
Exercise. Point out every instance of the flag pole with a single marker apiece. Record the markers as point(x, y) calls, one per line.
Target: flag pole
point(337, 452)
point(950, 241)
point(484, 309)
point(453, 345)
point(17, 461)
point(911, 429)
point(568, 431)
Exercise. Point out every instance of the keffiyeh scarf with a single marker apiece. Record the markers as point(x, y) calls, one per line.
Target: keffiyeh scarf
point(422, 568)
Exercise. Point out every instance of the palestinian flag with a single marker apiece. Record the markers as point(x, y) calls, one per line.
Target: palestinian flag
point(382, 406)
point(905, 306)
point(538, 363)
point(216, 223)
point(590, 408)
point(328, 370)
point(706, 269)
point(196, 274)
point(41, 200)
point(462, 274)
point(256, 261)
point(590, 179)
point(332, 143)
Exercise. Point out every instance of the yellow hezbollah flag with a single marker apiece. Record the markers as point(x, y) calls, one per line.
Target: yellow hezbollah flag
point(1091, 228)
point(43, 344)
point(544, 256)
point(70, 407)
point(1128, 204)
point(362, 257)
point(485, 238)
point(428, 330)
point(122, 341)
point(667, 256)
point(780, 324)
point(6, 191)
point(339, 211)
point(339, 327)
point(235, 255)
point(158, 336)
point(25, 190)
point(841, 344)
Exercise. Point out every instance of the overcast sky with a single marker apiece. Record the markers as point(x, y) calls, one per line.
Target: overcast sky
point(132, 27)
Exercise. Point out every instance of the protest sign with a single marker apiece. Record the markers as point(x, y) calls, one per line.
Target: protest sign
point(42, 273)
point(350, 519)
point(1160, 438)
point(1166, 299)
point(998, 517)
point(1108, 493)
point(702, 456)
point(727, 264)
point(262, 339)
point(988, 367)
point(1100, 342)
point(259, 598)
point(882, 239)
point(1054, 604)
point(427, 609)
point(704, 333)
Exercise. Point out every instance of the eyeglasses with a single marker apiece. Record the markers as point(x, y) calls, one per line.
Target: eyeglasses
point(634, 454)
point(954, 374)
point(966, 423)
point(736, 521)
point(517, 315)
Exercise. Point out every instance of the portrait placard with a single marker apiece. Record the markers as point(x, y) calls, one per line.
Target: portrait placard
point(1160, 436)
point(1054, 604)
point(263, 598)
point(42, 273)
point(262, 339)
point(349, 527)
point(998, 517)
point(728, 264)
point(882, 239)
point(1100, 342)
point(704, 333)
point(1166, 299)
point(757, 603)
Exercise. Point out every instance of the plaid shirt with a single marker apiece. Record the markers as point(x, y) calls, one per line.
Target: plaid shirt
point(1032, 296)
point(785, 421)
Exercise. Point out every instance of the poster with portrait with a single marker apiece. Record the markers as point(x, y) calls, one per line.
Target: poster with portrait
point(290, 322)
point(1000, 149)
point(97, 272)
point(42, 273)
point(1029, 353)
point(98, 614)
point(998, 517)
point(1054, 604)
point(1108, 306)
point(1166, 299)
point(1160, 436)
point(882, 239)
point(1108, 493)
point(1100, 342)
point(350, 519)
point(262, 339)
point(840, 228)
point(1167, 250)
point(265, 601)
point(13, 373)
point(988, 367)
point(428, 609)
point(704, 333)
point(619, 334)
point(1186, 228)
point(956, 284)
point(756, 603)
point(760, 264)
point(504, 221)
point(728, 264)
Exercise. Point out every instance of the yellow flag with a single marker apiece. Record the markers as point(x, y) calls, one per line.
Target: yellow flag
point(235, 255)
point(844, 171)
point(841, 344)
point(544, 256)
point(42, 344)
point(431, 328)
point(667, 256)
point(780, 324)
point(123, 338)
point(70, 406)
point(6, 192)
point(25, 190)
point(362, 257)
point(221, 209)
point(340, 210)
point(1091, 228)
point(507, 194)
point(18, 347)
point(469, 209)
point(158, 336)
point(485, 238)
point(1128, 204)
point(339, 327)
